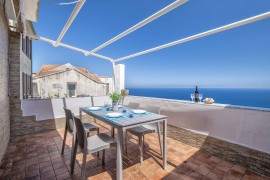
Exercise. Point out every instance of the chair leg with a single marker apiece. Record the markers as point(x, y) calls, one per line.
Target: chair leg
point(159, 138)
point(141, 148)
point(103, 157)
point(73, 156)
point(64, 140)
point(98, 133)
point(83, 166)
point(126, 141)
point(143, 140)
point(88, 134)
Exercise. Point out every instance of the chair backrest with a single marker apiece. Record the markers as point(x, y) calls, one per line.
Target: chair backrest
point(133, 105)
point(153, 109)
point(69, 120)
point(80, 132)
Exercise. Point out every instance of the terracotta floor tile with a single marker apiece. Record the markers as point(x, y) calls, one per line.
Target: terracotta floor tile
point(219, 172)
point(213, 176)
point(203, 169)
point(60, 170)
point(171, 176)
point(233, 175)
point(226, 163)
point(37, 156)
point(223, 168)
point(45, 164)
point(32, 174)
point(239, 169)
point(194, 176)
point(251, 176)
point(63, 176)
point(47, 175)
point(46, 169)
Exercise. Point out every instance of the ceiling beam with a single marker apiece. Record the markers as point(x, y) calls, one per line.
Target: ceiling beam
point(70, 47)
point(140, 24)
point(200, 35)
point(70, 20)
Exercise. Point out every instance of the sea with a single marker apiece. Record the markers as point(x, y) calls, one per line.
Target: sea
point(232, 96)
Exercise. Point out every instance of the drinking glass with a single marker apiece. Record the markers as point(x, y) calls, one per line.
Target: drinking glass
point(192, 97)
point(105, 103)
point(200, 97)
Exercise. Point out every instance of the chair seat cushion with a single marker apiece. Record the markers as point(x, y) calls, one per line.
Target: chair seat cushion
point(99, 142)
point(140, 130)
point(89, 127)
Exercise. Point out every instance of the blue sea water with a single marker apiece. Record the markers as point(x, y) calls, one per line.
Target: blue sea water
point(232, 96)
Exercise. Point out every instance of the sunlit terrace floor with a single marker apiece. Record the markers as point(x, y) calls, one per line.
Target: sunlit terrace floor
point(37, 156)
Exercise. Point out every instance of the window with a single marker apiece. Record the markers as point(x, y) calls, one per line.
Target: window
point(27, 46)
point(26, 85)
point(71, 89)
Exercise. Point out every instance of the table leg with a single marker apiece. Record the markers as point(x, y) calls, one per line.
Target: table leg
point(80, 114)
point(164, 144)
point(119, 149)
point(112, 131)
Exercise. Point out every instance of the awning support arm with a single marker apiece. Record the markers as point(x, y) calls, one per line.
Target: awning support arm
point(140, 24)
point(200, 35)
point(70, 47)
point(69, 21)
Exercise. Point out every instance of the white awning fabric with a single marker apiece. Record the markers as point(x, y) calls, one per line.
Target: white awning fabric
point(30, 8)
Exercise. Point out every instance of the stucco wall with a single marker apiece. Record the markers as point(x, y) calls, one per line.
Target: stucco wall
point(57, 83)
point(4, 73)
point(108, 80)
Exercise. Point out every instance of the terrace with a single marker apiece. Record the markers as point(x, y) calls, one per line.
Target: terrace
point(204, 141)
point(199, 145)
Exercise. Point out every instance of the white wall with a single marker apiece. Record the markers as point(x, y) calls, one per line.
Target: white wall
point(246, 127)
point(119, 73)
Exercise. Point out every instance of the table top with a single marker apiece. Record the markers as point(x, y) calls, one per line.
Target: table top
point(124, 121)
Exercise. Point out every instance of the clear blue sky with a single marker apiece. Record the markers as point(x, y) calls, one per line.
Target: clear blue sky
point(236, 58)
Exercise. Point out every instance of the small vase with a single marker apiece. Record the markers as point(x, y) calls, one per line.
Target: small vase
point(115, 105)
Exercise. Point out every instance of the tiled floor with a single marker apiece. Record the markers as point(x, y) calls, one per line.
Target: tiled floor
point(37, 156)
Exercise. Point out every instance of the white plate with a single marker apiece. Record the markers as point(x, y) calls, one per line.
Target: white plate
point(114, 114)
point(138, 111)
point(94, 108)
point(120, 106)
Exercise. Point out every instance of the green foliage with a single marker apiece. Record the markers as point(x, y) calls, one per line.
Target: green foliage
point(115, 96)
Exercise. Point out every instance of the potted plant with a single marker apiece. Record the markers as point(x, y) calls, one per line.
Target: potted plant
point(115, 100)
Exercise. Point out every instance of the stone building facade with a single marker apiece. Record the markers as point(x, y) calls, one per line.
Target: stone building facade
point(68, 81)
point(4, 76)
point(15, 65)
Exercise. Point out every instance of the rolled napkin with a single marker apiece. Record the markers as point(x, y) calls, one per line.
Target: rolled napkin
point(208, 101)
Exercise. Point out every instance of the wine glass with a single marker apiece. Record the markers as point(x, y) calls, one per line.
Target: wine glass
point(192, 97)
point(200, 97)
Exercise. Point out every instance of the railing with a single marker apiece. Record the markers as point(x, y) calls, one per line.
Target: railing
point(244, 126)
